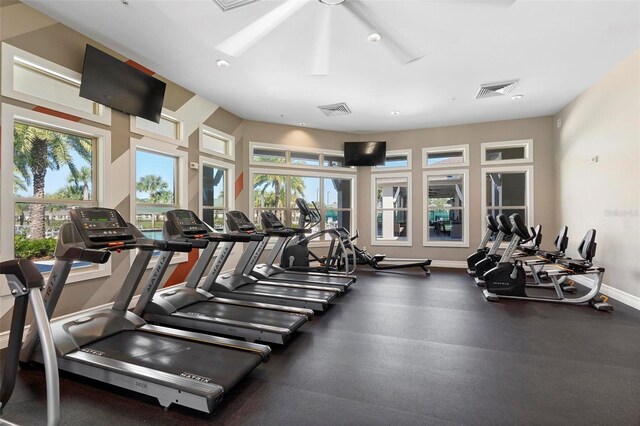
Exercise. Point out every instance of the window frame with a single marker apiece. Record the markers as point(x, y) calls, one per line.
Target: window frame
point(287, 149)
point(12, 114)
point(181, 197)
point(167, 115)
point(306, 173)
point(229, 139)
point(465, 208)
point(395, 152)
point(527, 144)
point(375, 241)
point(230, 176)
point(464, 148)
point(9, 53)
point(529, 188)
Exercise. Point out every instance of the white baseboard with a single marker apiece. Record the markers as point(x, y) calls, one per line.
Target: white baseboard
point(434, 263)
point(4, 336)
point(612, 292)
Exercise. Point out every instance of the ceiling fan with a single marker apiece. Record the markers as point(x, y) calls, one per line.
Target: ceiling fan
point(400, 46)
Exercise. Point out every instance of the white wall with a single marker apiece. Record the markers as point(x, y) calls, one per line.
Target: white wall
point(605, 122)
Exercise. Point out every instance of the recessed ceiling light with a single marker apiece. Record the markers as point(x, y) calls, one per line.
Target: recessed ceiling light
point(374, 38)
point(124, 2)
point(302, 124)
point(516, 97)
point(222, 63)
point(395, 112)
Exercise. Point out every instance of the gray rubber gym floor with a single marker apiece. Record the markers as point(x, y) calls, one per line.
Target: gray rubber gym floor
point(404, 349)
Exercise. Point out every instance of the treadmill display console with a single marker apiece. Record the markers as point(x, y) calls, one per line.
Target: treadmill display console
point(270, 221)
point(100, 225)
point(187, 222)
point(239, 222)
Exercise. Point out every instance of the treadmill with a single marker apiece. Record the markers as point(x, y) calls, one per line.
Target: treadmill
point(187, 306)
point(268, 270)
point(239, 284)
point(115, 346)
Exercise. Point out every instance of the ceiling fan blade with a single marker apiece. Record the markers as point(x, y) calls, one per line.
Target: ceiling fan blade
point(241, 41)
point(322, 47)
point(400, 46)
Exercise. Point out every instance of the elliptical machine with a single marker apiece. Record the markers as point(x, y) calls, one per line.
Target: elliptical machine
point(492, 258)
point(25, 282)
point(509, 280)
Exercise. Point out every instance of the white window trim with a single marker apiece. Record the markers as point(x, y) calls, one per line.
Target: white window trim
point(313, 173)
point(10, 52)
point(375, 241)
point(529, 186)
point(449, 148)
point(465, 208)
point(396, 152)
point(286, 149)
point(167, 114)
point(10, 114)
point(527, 144)
point(164, 148)
point(231, 142)
point(230, 184)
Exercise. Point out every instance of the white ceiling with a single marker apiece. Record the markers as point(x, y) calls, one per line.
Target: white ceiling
point(556, 49)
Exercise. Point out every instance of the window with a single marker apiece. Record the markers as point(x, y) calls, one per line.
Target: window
point(277, 192)
point(155, 191)
point(218, 143)
point(216, 190)
point(305, 159)
point(262, 154)
point(169, 129)
point(54, 165)
point(159, 185)
point(508, 190)
point(446, 156)
point(396, 160)
point(507, 152)
point(391, 212)
point(35, 80)
point(445, 206)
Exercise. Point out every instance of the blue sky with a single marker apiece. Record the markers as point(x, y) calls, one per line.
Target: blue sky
point(56, 179)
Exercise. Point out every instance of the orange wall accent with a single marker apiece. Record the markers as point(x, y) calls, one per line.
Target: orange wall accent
point(140, 67)
point(56, 113)
point(239, 185)
point(182, 270)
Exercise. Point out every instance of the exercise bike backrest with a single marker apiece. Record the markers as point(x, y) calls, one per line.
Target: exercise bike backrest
point(492, 224)
point(519, 229)
point(562, 240)
point(503, 224)
point(587, 247)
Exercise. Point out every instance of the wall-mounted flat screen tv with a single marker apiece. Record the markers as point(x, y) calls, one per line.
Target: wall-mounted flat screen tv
point(118, 85)
point(365, 153)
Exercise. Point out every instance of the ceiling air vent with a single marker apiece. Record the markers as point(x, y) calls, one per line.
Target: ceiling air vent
point(232, 4)
point(335, 109)
point(495, 89)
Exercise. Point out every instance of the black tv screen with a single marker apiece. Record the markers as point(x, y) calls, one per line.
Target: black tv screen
point(118, 85)
point(365, 153)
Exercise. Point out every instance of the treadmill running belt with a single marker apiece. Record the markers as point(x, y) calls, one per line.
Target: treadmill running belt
point(311, 279)
point(287, 291)
point(246, 314)
point(224, 366)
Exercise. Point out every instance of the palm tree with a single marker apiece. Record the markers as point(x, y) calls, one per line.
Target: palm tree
point(278, 183)
point(37, 150)
point(82, 179)
point(156, 187)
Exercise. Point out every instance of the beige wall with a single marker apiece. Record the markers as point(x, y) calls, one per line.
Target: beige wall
point(605, 122)
point(538, 129)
